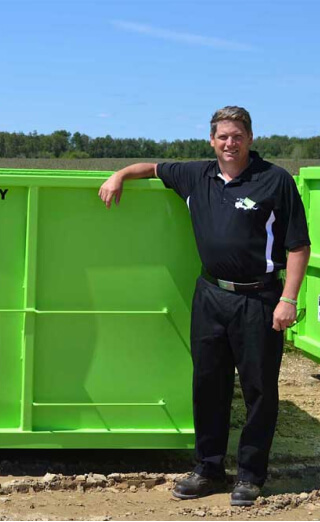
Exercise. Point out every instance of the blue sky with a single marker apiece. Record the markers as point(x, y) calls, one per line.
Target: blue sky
point(158, 69)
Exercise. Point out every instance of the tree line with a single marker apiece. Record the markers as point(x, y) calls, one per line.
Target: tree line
point(63, 144)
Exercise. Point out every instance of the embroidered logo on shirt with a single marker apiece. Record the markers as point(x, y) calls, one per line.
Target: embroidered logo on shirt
point(246, 204)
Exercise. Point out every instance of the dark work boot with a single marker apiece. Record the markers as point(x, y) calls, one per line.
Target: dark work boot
point(195, 486)
point(244, 493)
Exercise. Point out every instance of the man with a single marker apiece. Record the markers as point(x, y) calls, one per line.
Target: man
point(249, 224)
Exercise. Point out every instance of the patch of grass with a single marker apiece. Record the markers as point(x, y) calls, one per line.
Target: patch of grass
point(73, 164)
point(293, 166)
point(106, 164)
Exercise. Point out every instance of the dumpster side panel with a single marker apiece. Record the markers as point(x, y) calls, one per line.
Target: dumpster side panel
point(13, 210)
point(90, 258)
point(11, 326)
point(113, 295)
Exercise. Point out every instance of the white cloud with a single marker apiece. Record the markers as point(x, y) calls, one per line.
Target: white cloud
point(189, 38)
point(104, 115)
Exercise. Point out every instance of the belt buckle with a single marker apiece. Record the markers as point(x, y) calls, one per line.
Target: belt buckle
point(226, 285)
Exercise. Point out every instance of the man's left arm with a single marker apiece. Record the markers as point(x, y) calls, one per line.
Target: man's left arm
point(285, 313)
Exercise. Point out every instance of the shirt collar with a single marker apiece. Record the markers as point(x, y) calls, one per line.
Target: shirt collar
point(252, 172)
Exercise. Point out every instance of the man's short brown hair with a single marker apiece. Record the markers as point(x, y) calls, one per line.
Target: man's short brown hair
point(232, 113)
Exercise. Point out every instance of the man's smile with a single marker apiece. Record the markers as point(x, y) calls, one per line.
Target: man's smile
point(231, 152)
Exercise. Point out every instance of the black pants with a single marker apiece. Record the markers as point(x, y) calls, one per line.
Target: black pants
point(231, 330)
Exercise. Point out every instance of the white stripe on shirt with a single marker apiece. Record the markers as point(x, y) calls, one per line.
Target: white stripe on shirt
point(270, 240)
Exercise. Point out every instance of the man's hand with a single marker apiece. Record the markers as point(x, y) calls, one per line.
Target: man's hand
point(111, 189)
point(284, 315)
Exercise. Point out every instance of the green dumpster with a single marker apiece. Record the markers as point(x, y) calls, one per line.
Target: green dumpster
point(94, 313)
point(306, 334)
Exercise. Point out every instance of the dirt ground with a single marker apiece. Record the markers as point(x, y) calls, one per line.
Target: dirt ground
point(136, 485)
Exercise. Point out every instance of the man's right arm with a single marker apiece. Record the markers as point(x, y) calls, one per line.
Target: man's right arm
point(112, 188)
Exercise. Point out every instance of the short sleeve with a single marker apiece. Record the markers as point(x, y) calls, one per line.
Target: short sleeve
point(293, 215)
point(181, 177)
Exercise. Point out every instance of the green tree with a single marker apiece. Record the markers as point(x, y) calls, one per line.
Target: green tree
point(60, 142)
point(80, 142)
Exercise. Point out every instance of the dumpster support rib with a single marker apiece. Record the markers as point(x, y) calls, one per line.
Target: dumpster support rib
point(29, 303)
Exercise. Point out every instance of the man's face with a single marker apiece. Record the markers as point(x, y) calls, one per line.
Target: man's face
point(231, 143)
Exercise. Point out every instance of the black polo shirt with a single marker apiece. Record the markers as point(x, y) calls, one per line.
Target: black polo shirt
point(243, 228)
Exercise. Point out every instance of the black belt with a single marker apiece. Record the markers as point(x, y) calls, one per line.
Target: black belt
point(257, 283)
